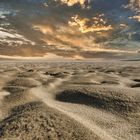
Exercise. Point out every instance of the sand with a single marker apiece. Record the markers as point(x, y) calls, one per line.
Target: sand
point(69, 100)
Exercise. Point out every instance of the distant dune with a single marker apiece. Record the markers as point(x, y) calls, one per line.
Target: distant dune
point(138, 59)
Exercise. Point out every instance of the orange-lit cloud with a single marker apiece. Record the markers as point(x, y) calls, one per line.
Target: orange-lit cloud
point(85, 25)
point(73, 2)
point(134, 5)
point(66, 38)
point(48, 56)
point(137, 17)
point(122, 25)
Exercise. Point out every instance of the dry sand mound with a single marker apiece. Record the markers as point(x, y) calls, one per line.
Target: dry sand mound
point(18, 93)
point(37, 121)
point(24, 82)
point(107, 102)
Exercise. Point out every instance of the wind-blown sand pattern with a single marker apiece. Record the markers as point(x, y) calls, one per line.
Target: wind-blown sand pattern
point(69, 101)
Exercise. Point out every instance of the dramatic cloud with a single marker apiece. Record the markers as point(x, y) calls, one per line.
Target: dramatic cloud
point(86, 25)
point(66, 38)
point(75, 29)
point(136, 18)
point(12, 38)
point(134, 5)
point(73, 2)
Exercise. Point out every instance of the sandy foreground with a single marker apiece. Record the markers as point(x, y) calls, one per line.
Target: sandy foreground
point(69, 101)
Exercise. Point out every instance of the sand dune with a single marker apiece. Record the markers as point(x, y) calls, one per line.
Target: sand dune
point(85, 101)
point(37, 121)
point(110, 102)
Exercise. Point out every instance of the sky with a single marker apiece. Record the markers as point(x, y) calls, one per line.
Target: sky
point(70, 29)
